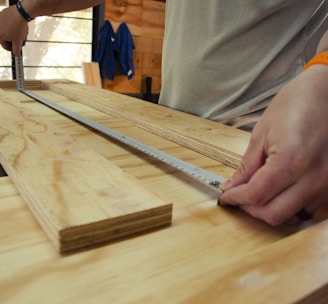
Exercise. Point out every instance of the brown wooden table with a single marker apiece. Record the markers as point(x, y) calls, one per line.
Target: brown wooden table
point(209, 254)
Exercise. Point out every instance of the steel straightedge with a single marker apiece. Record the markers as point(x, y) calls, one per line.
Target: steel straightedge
point(200, 174)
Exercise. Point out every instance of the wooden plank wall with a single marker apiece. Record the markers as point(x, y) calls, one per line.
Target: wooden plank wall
point(145, 19)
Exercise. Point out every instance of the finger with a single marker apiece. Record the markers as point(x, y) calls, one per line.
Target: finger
point(307, 212)
point(266, 183)
point(6, 45)
point(252, 160)
point(286, 205)
point(17, 47)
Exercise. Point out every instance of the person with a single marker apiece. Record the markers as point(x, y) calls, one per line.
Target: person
point(240, 62)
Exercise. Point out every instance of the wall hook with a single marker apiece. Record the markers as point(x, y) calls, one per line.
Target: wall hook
point(120, 2)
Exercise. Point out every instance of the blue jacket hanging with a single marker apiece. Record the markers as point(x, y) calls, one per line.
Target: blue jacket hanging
point(125, 46)
point(105, 54)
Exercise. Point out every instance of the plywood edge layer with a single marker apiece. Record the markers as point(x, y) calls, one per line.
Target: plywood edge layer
point(78, 197)
point(220, 142)
point(102, 232)
point(11, 84)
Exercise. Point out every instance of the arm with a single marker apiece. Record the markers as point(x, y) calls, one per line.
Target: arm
point(14, 28)
point(37, 8)
point(285, 167)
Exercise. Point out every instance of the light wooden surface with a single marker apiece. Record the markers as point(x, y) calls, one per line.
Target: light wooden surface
point(145, 20)
point(91, 74)
point(217, 141)
point(209, 254)
point(76, 194)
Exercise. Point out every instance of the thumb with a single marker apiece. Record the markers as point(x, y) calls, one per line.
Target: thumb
point(17, 47)
point(6, 45)
point(252, 160)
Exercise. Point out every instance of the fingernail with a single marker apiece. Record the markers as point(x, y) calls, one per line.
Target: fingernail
point(227, 184)
point(221, 191)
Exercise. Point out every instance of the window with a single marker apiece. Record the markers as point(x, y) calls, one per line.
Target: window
point(5, 59)
point(55, 48)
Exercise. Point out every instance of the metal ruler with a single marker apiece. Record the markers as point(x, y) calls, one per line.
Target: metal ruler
point(200, 174)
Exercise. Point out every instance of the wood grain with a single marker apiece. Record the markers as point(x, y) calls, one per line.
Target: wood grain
point(220, 142)
point(91, 74)
point(29, 84)
point(80, 198)
point(153, 18)
point(145, 19)
point(128, 11)
point(208, 255)
point(265, 277)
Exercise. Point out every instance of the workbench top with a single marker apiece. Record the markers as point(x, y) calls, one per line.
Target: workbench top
point(209, 254)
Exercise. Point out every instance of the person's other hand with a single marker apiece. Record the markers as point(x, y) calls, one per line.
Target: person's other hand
point(13, 30)
point(285, 167)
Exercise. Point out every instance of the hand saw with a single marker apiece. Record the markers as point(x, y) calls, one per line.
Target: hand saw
point(200, 174)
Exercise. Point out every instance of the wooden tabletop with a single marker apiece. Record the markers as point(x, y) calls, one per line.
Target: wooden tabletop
point(209, 254)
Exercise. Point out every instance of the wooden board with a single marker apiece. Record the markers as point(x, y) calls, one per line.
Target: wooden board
point(209, 254)
point(128, 11)
point(265, 278)
point(79, 198)
point(153, 18)
point(91, 74)
point(145, 19)
point(220, 142)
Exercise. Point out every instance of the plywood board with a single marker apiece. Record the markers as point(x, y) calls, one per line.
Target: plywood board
point(79, 198)
point(128, 11)
point(235, 261)
point(210, 254)
point(145, 20)
point(223, 143)
point(153, 18)
point(293, 270)
point(91, 74)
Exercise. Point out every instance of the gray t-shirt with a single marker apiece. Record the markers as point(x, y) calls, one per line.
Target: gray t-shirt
point(225, 59)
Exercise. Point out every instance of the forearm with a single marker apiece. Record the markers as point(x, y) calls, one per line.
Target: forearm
point(14, 26)
point(37, 8)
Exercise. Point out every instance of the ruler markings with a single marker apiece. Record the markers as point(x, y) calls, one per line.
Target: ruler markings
point(203, 175)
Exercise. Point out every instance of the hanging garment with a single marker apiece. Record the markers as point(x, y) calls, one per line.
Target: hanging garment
point(105, 54)
point(125, 46)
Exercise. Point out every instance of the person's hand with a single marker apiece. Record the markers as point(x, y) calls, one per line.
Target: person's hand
point(285, 167)
point(13, 30)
